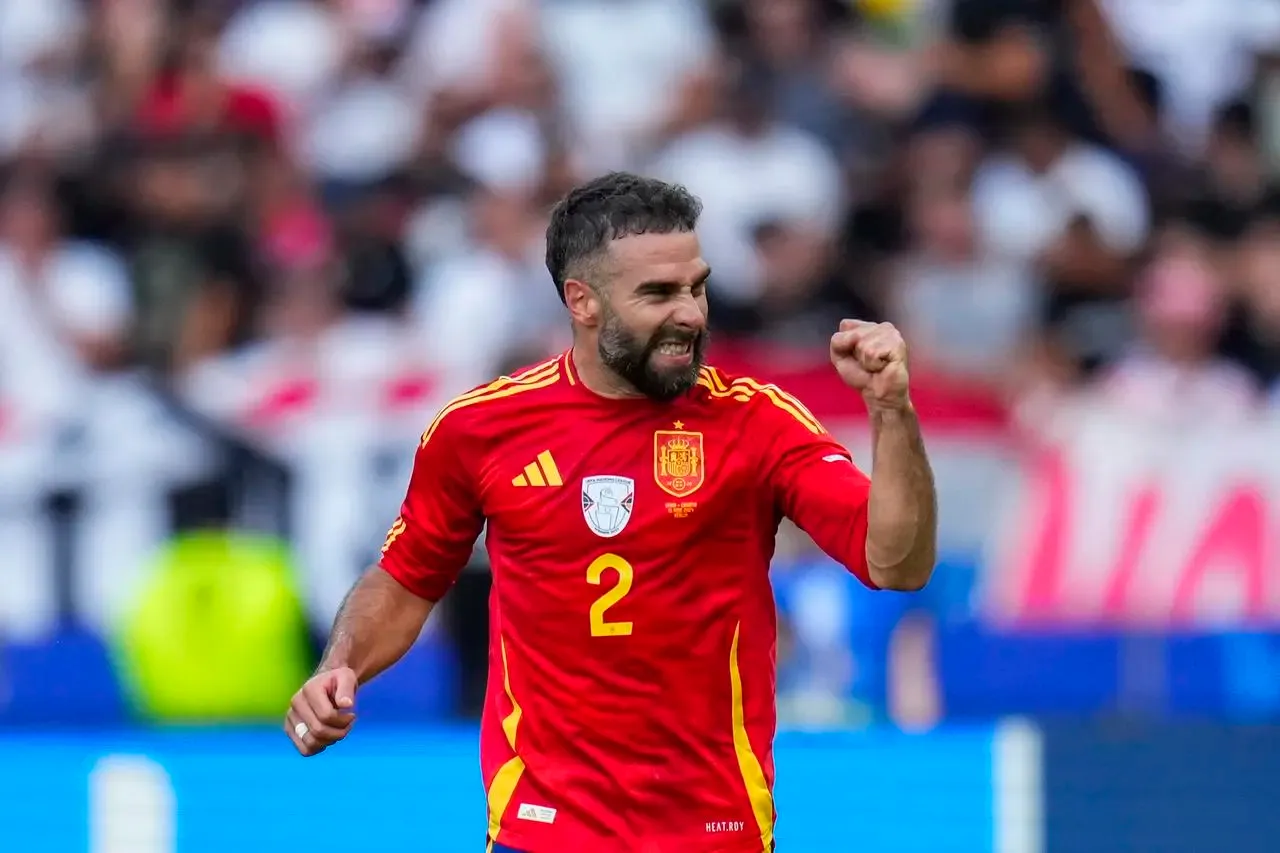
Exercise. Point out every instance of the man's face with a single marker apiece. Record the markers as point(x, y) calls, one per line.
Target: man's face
point(653, 317)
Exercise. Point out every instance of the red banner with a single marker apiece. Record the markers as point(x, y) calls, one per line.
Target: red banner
point(1121, 523)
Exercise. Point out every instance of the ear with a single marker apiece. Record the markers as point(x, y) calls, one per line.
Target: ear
point(582, 301)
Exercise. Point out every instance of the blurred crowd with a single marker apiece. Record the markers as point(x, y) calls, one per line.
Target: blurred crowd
point(304, 223)
point(1037, 190)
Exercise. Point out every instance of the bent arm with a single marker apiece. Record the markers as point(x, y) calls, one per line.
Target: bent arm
point(425, 549)
point(818, 486)
point(377, 623)
point(902, 510)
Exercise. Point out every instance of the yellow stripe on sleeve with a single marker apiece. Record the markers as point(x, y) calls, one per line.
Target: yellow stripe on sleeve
point(541, 376)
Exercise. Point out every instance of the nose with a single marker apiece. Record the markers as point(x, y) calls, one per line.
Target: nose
point(688, 314)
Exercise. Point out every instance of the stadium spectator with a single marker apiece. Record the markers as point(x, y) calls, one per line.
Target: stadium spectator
point(228, 226)
point(1172, 373)
point(795, 183)
point(66, 307)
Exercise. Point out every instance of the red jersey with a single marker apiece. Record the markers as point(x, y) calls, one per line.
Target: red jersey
point(631, 699)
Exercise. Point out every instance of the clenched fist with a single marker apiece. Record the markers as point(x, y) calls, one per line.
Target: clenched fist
point(321, 712)
point(872, 357)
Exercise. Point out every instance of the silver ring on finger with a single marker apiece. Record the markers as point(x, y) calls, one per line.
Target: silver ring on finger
point(301, 730)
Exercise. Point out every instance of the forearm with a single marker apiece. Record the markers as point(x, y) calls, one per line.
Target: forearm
point(902, 514)
point(378, 621)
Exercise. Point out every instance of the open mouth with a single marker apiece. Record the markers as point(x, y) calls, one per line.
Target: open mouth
point(675, 349)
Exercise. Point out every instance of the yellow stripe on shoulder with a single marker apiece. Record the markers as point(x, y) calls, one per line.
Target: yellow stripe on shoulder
point(536, 370)
point(784, 401)
point(715, 380)
point(745, 388)
point(540, 376)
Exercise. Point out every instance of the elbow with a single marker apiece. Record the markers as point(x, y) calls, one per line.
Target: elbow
point(904, 583)
point(907, 563)
point(908, 576)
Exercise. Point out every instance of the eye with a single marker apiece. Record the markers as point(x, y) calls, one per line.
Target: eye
point(659, 291)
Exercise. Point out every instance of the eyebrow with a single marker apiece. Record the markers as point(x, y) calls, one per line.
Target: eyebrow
point(658, 282)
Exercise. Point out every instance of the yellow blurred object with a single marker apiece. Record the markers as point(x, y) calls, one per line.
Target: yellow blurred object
point(884, 10)
point(218, 633)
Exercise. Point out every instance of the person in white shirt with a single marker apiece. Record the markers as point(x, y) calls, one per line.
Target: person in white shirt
point(750, 169)
point(1073, 215)
point(66, 307)
point(1173, 373)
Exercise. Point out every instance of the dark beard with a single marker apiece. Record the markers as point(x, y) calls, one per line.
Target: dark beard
point(632, 359)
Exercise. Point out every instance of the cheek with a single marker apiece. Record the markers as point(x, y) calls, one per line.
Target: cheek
point(644, 320)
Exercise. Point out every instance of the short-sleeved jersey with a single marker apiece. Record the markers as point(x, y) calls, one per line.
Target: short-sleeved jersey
point(631, 696)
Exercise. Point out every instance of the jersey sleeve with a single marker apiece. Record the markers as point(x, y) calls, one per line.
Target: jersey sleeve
point(431, 541)
point(816, 483)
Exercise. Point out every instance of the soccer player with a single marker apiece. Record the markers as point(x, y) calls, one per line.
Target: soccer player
point(631, 496)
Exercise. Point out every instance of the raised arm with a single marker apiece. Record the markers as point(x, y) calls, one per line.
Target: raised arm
point(882, 528)
point(383, 614)
point(902, 509)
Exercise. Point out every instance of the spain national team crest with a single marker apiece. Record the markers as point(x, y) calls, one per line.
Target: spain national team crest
point(607, 503)
point(678, 461)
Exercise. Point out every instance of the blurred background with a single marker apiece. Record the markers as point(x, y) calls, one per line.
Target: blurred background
point(249, 247)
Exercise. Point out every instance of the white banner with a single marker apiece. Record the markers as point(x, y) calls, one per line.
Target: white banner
point(1120, 522)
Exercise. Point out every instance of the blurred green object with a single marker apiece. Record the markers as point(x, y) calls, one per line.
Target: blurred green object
point(217, 634)
point(891, 22)
point(885, 10)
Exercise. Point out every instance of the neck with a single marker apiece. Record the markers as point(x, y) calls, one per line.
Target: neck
point(596, 376)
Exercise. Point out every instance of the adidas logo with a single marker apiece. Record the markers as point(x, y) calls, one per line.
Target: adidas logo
point(541, 472)
point(539, 814)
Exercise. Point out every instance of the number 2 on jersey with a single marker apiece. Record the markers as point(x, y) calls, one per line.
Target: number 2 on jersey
point(611, 596)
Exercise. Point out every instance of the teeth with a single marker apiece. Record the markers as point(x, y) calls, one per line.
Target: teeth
point(674, 348)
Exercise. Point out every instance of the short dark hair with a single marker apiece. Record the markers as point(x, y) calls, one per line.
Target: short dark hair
point(608, 208)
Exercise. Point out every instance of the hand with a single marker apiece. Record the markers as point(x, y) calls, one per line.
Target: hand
point(872, 357)
point(323, 706)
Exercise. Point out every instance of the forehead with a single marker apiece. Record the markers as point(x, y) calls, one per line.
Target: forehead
point(667, 257)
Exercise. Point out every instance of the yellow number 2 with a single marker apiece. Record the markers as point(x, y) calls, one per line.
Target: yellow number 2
point(611, 596)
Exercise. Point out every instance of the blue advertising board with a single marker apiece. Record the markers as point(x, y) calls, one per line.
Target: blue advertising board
point(1167, 788)
point(198, 791)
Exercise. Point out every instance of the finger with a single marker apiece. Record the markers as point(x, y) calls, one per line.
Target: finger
point(343, 688)
point(853, 373)
point(321, 705)
point(849, 368)
point(851, 325)
point(871, 353)
point(882, 344)
point(303, 743)
point(313, 742)
point(873, 357)
point(300, 743)
point(306, 730)
point(319, 732)
point(847, 342)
